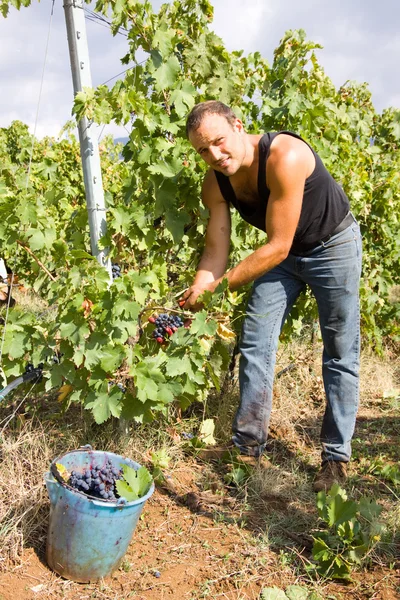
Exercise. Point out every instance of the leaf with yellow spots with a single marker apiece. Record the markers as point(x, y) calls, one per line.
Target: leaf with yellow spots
point(206, 433)
point(64, 391)
point(225, 333)
point(205, 344)
point(64, 473)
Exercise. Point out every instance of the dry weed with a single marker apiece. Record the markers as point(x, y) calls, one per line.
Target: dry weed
point(24, 459)
point(298, 403)
point(29, 300)
point(280, 498)
point(377, 375)
point(27, 447)
point(394, 294)
point(299, 396)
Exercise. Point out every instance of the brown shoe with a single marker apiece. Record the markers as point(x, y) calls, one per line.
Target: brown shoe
point(331, 471)
point(231, 453)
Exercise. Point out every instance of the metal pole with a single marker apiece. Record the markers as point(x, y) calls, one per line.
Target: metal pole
point(81, 77)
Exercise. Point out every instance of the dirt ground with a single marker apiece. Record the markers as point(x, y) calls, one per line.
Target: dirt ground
point(206, 538)
point(191, 546)
point(194, 557)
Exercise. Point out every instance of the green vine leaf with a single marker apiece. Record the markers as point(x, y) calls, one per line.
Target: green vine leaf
point(273, 593)
point(136, 483)
point(156, 221)
point(165, 75)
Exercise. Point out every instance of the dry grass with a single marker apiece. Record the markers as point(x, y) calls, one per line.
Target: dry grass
point(29, 300)
point(27, 447)
point(377, 375)
point(282, 497)
point(277, 505)
point(394, 294)
point(24, 459)
point(299, 397)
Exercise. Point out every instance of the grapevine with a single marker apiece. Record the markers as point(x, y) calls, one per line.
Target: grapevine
point(156, 222)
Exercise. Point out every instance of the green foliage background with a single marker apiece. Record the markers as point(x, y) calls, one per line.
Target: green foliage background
point(156, 224)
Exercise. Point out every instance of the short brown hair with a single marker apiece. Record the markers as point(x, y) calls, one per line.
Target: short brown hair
point(210, 107)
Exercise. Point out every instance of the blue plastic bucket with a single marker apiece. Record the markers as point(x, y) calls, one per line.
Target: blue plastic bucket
point(87, 538)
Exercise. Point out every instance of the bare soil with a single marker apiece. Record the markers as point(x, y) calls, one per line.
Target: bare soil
point(178, 552)
point(193, 544)
point(199, 537)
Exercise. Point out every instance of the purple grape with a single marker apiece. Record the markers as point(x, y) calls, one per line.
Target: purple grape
point(97, 481)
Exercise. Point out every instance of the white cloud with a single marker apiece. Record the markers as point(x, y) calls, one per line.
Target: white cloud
point(393, 101)
point(242, 23)
point(361, 41)
point(361, 38)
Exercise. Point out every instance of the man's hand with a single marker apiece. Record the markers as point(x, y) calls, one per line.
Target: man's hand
point(189, 298)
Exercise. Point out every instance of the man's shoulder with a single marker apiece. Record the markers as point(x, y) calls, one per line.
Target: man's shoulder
point(285, 144)
point(286, 139)
point(211, 192)
point(210, 175)
point(289, 152)
point(210, 180)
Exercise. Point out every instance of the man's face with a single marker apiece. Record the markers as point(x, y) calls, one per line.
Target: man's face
point(220, 143)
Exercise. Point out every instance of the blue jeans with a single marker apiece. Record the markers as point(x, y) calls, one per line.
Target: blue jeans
point(332, 270)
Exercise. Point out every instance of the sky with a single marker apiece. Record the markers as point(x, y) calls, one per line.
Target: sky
point(361, 40)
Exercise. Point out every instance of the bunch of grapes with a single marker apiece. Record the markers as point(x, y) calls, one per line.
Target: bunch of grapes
point(115, 271)
point(29, 368)
point(97, 481)
point(57, 356)
point(119, 385)
point(165, 326)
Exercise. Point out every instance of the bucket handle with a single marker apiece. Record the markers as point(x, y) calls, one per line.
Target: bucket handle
point(121, 502)
point(54, 470)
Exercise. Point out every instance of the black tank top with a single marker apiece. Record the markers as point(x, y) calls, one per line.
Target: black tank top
point(324, 202)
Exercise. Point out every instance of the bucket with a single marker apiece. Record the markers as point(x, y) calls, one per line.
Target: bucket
point(87, 538)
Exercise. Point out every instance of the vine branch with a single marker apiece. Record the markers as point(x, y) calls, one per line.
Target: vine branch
point(39, 262)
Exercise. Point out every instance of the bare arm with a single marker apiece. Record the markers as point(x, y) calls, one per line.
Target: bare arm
point(289, 164)
point(215, 255)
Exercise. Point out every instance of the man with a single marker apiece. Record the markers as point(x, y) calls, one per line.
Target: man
point(278, 183)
